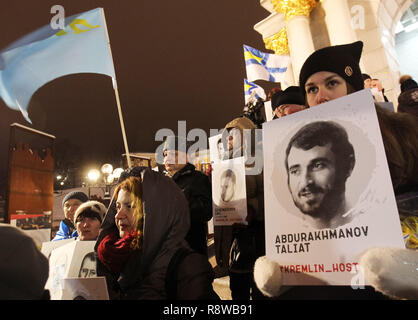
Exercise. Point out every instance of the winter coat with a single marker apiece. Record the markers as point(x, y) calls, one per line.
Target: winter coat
point(196, 187)
point(249, 242)
point(66, 231)
point(408, 101)
point(166, 222)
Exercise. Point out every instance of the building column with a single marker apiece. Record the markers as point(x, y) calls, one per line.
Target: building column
point(338, 21)
point(298, 31)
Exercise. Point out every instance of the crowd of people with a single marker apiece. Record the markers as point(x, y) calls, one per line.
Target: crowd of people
point(151, 242)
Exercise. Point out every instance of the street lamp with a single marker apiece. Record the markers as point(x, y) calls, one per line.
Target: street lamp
point(93, 175)
point(110, 176)
point(107, 169)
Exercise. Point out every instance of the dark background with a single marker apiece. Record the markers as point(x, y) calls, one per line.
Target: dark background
point(174, 60)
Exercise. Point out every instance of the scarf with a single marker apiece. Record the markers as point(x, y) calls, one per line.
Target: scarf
point(113, 251)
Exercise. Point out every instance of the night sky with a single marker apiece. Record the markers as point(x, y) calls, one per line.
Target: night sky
point(174, 60)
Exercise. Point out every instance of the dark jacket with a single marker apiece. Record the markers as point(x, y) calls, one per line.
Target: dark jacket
point(408, 101)
point(166, 222)
point(249, 242)
point(196, 187)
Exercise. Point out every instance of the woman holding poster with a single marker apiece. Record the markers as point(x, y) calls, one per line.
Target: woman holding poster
point(328, 74)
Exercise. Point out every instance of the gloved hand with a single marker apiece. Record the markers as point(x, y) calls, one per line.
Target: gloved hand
point(267, 276)
point(392, 271)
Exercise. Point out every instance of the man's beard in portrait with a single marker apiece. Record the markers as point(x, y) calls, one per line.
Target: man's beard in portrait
point(321, 203)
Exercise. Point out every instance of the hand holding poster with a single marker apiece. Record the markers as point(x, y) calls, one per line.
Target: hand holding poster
point(74, 259)
point(229, 192)
point(328, 192)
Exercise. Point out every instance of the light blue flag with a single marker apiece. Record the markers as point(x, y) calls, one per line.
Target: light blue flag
point(250, 88)
point(46, 54)
point(265, 66)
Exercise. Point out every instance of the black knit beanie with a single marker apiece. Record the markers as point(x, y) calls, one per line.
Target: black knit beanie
point(408, 84)
point(342, 60)
point(75, 195)
point(292, 95)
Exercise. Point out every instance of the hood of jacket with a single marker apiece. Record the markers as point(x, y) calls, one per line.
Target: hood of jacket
point(166, 219)
point(243, 123)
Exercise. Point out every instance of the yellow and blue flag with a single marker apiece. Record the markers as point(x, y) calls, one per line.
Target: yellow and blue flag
point(265, 66)
point(46, 54)
point(252, 89)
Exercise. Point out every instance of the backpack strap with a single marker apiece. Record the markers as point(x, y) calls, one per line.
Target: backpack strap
point(172, 272)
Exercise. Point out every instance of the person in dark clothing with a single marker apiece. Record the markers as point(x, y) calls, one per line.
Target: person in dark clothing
point(196, 187)
point(141, 249)
point(408, 99)
point(248, 241)
point(287, 102)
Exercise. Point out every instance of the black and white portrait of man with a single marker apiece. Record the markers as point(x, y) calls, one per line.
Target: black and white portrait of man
point(319, 159)
point(228, 181)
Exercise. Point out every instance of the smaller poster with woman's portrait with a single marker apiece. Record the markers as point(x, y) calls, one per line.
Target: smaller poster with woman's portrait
point(228, 192)
point(328, 191)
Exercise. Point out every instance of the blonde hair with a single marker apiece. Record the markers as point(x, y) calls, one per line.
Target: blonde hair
point(133, 185)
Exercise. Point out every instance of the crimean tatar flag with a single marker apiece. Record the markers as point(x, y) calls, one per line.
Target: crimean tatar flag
point(265, 66)
point(250, 87)
point(46, 54)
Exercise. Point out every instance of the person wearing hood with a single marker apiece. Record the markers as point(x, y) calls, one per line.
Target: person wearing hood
point(24, 269)
point(408, 98)
point(327, 74)
point(141, 248)
point(247, 242)
point(196, 187)
point(287, 102)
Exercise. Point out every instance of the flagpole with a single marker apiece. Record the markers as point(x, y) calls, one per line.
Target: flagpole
point(125, 141)
point(115, 87)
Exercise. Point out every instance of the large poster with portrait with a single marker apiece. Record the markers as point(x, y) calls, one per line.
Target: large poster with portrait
point(228, 192)
point(328, 191)
point(75, 259)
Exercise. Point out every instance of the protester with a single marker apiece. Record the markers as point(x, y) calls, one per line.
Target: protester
point(88, 219)
point(287, 102)
point(247, 241)
point(70, 203)
point(319, 160)
point(141, 248)
point(196, 187)
point(23, 268)
point(367, 80)
point(408, 98)
point(378, 90)
point(327, 74)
